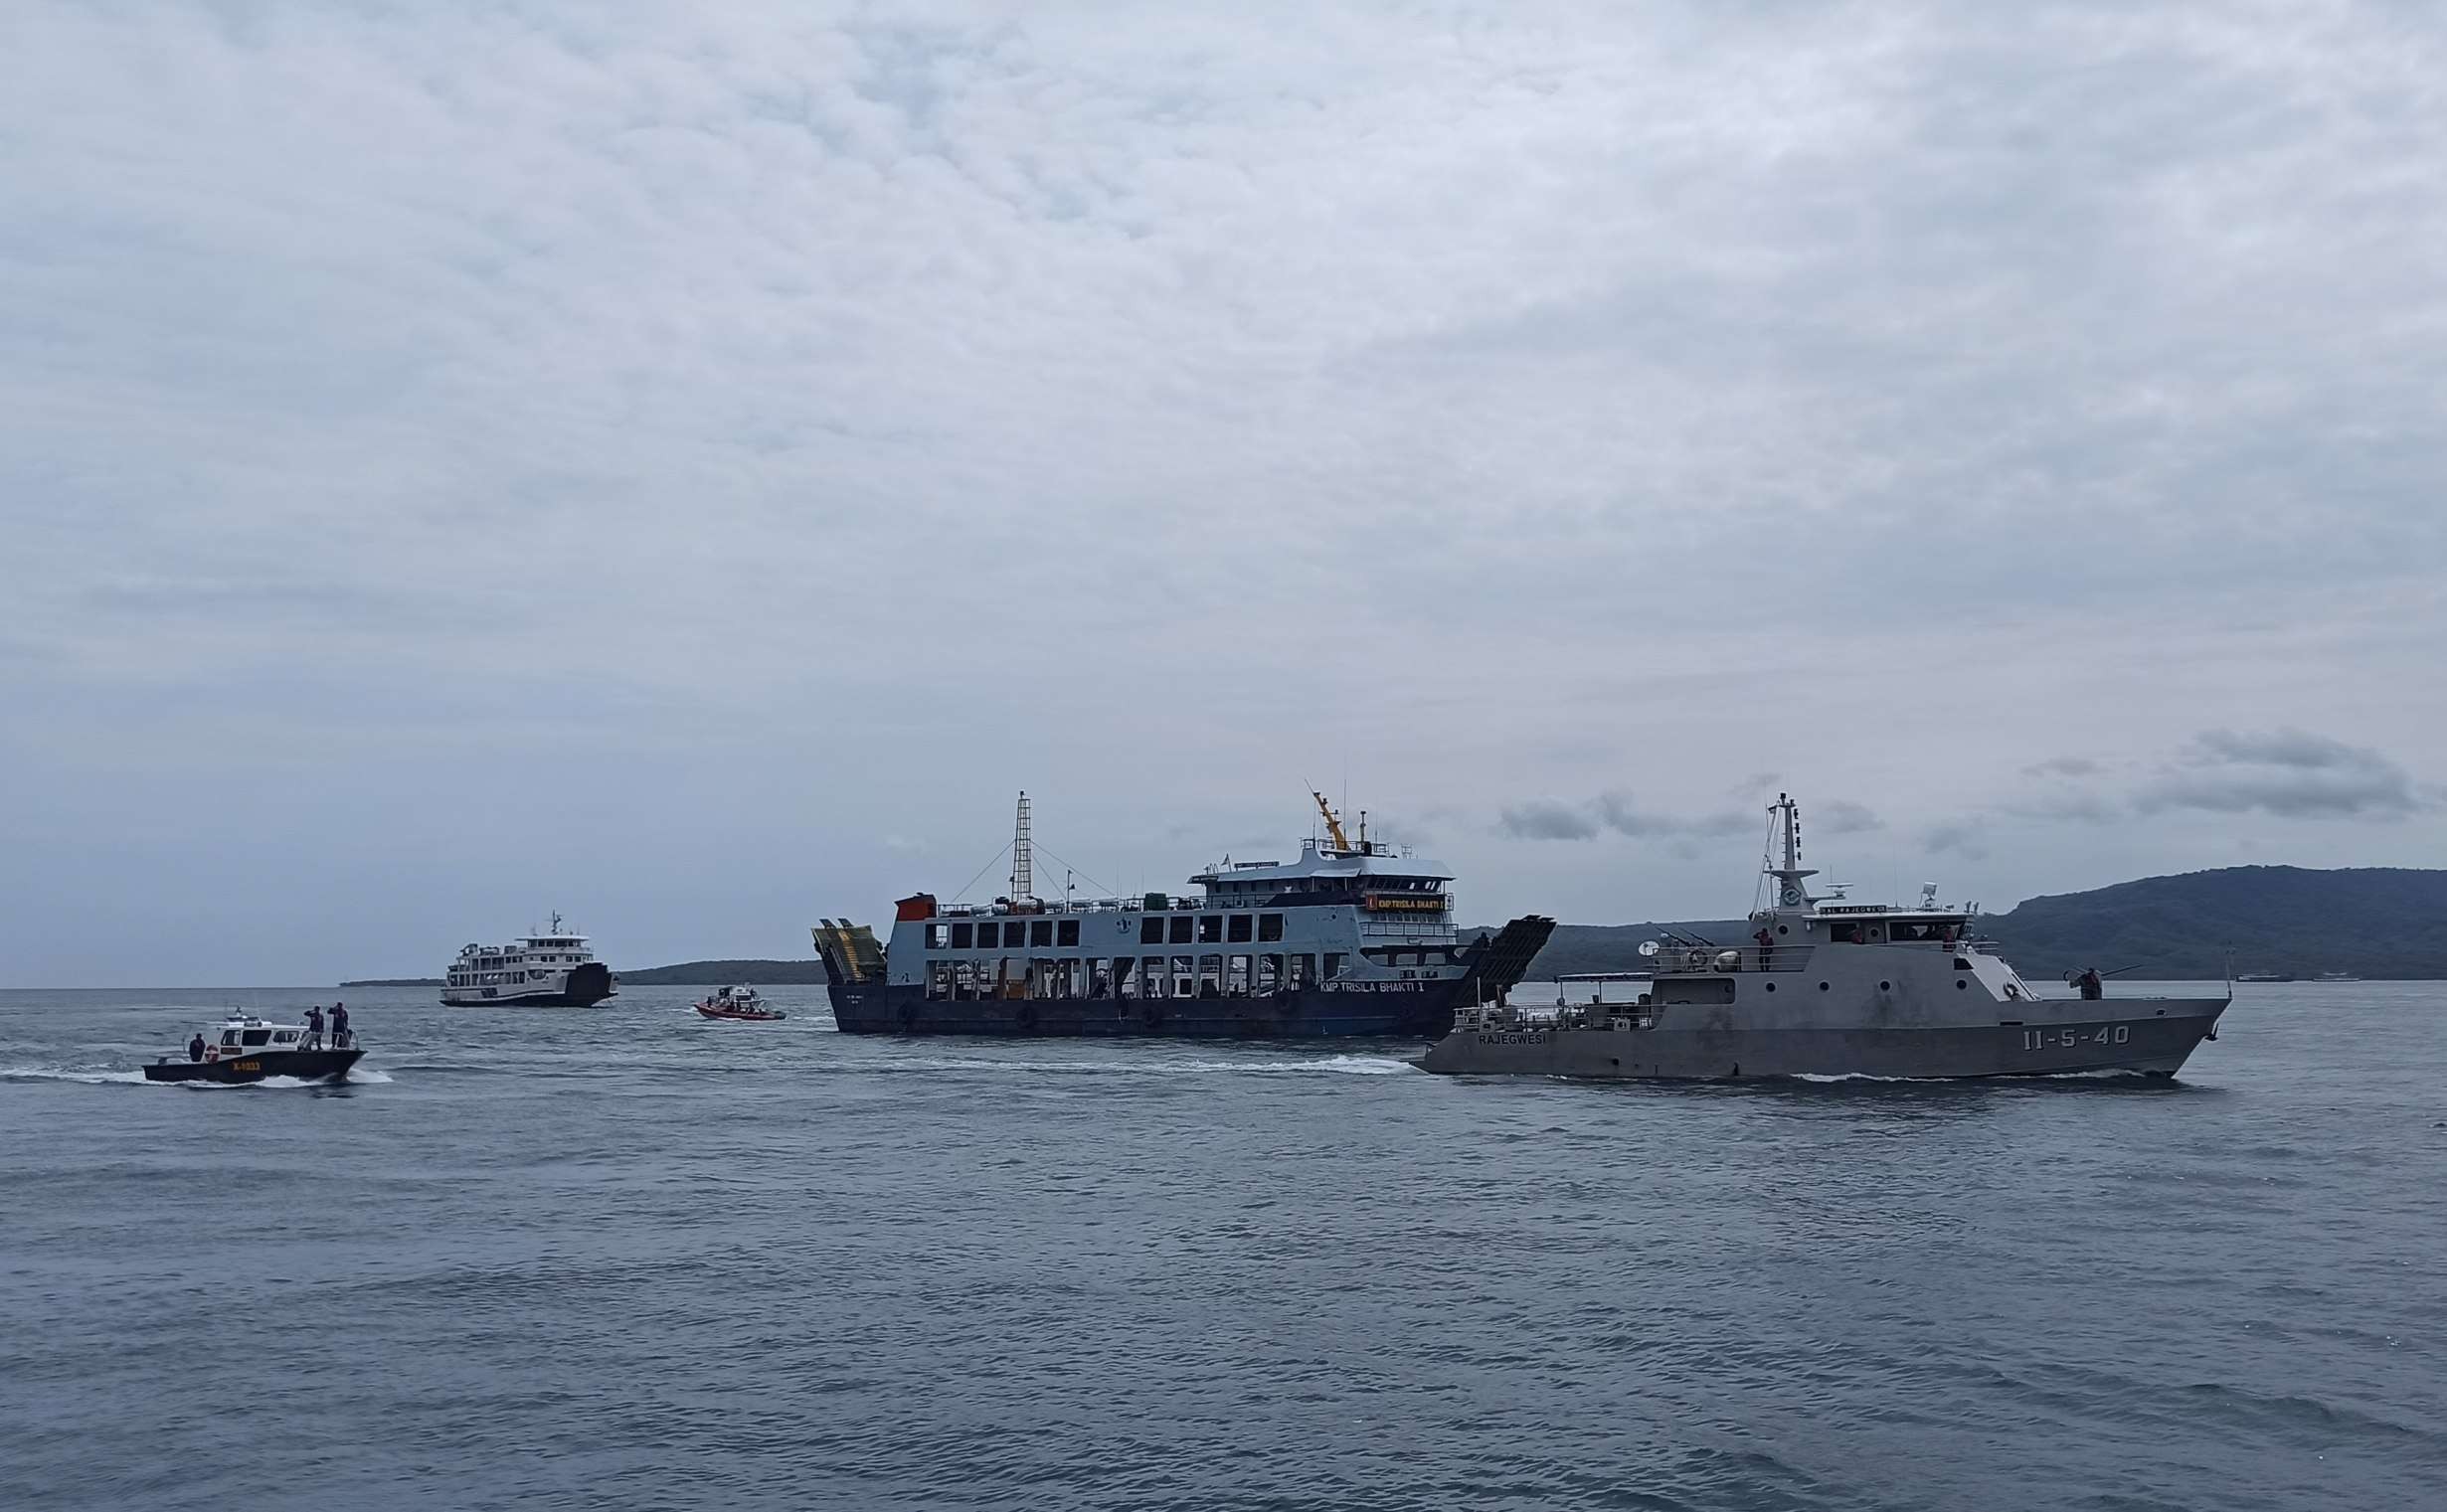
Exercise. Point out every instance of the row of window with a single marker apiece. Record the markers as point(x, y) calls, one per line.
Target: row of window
point(1129, 976)
point(1153, 930)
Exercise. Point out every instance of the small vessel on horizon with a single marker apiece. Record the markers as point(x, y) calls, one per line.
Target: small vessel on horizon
point(1827, 988)
point(1354, 937)
point(739, 1003)
point(2335, 976)
point(543, 968)
point(2264, 976)
point(244, 1048)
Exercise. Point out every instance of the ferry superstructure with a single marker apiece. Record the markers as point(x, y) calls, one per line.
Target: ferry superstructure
point(1829, 988)
point(551, 968)
point(1350, 939)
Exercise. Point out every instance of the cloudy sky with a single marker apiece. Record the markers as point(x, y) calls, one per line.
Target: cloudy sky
point(689, 464)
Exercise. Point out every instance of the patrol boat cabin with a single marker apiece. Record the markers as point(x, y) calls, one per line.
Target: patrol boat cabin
point(1352, 938)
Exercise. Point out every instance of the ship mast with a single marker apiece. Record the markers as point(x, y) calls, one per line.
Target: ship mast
point(1024, 860)
point(1333, 823)
point(1786, 815)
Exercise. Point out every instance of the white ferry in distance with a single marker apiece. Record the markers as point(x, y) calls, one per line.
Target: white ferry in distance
point(544, 969)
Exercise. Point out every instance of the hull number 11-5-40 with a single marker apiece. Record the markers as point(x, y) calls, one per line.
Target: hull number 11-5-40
point(2076, 1037)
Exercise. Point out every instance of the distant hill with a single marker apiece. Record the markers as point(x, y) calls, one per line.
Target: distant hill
point(2373, 922)
point(763, 973)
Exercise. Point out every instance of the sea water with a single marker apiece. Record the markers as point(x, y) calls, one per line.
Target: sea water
point(621, 1257)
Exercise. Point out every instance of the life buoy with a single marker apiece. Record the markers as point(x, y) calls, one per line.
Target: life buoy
point(1697, 960)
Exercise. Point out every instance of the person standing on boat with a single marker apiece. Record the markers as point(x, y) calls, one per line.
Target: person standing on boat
point(195, 1046)
point(339, 1026)
point(314, 1027)
point(1766, 942)
point(2092, 987)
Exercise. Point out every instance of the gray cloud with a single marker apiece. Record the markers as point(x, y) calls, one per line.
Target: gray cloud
point(1842, 816)
point(2065, 767)
point(1960, 837)
point(2288, 773)
point(1547, 820)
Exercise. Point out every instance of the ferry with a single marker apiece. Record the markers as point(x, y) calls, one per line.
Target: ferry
point(542, 968)
point(1354, 937)
point(245, 1048)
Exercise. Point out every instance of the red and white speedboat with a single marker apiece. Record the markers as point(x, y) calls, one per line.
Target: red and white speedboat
point(741, 1003)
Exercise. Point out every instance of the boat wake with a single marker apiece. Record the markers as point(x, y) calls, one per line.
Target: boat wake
point(1338, 1065)
point(50, 1074)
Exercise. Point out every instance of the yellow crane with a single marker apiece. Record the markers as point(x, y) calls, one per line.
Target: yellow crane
point(1333, 825)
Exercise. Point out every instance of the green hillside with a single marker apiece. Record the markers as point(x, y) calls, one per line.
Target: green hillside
point(2372, 921)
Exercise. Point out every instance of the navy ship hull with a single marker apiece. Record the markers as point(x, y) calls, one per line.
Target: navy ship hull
point(2054, 1038)
point(1314, 1014)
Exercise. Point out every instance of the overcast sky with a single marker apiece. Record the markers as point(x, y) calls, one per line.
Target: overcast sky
point(689, 464)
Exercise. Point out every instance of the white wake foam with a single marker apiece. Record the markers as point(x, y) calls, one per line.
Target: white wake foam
point(50, 1074)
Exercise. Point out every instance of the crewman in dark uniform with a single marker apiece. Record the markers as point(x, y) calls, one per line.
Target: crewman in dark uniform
point(2092, 987)
point(314, 1027)
point(195, 1046)
point(339, 1026)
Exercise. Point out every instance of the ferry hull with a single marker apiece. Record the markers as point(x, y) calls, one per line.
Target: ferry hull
point(304, 1064)
point(2153, 1037)
point(876, 1008)
point(586, 986)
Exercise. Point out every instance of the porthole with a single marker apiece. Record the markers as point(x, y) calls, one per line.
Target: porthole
point(1770, 986)
point(1960, 985)
point(1782, 929)
point(1885, 986)
point(1821, 986)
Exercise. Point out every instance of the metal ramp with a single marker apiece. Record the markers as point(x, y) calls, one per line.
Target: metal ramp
point(851, 952)
point(1498, 966)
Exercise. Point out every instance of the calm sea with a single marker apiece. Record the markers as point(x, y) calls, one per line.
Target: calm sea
point(621, 1257)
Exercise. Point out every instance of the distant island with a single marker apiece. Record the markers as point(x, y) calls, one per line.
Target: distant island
point(2377, 922)
point(764, 974)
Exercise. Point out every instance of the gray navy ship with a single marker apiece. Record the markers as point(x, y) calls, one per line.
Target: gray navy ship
point(1354, 937)
point(1830, 988)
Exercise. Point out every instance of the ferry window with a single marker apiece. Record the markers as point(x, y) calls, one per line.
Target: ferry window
point(964, 936)
point(1150, 930)
point(1240, 928)
point(1210, 976)
point(1270, 926)
point(939, 980)
point(1182, 926)
point(1236, 976)
point(1210, 930)
point(258, 1037)
point(1843, 934)
point(1151, 976)
point(1068, 933)
point(1303, 970)
point(1184, 975)
point(938, 936)
point(1270, 973)
point(1333, 966)
point(1041, 932)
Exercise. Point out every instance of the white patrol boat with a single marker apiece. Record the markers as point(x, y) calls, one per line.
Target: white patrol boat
point(244, 1048)
point(543, 968)
point(1827, 988)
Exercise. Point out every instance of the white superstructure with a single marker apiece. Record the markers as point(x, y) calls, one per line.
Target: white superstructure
point(551, 967)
